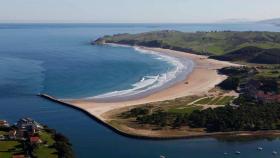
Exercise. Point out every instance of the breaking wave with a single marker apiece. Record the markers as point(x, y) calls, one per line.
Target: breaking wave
point(148, 84)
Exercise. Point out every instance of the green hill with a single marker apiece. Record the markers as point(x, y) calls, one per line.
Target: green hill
point(252, 55)
point(210, 43)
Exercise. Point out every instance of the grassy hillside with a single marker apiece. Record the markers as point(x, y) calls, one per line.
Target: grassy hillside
point(252, 55)
point(211, 43)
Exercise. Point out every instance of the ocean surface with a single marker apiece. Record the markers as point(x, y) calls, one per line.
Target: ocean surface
point(58, 59)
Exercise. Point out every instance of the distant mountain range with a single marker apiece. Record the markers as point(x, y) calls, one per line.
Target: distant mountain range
point(271, 21)
point(275, 21)
point(235, 21)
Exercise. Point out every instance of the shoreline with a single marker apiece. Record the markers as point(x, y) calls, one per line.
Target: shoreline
point(181, 70)
point(263, 133)
point(203, 78)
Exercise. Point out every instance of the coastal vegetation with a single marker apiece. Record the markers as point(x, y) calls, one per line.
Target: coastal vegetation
point(221, 100)
point(255, 47)
point(253, 81)
point(252, 54)
point(27, 138)
point(256, 108)
point(248, 116)
point(257, 84)
point(171, 113)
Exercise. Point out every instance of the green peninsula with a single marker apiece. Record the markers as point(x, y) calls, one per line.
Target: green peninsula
point(226, 45)
point(247, 102)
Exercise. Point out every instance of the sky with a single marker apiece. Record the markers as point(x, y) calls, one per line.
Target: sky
point(137, 11)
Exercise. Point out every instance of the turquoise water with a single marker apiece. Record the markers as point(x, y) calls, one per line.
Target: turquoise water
point(57, 59)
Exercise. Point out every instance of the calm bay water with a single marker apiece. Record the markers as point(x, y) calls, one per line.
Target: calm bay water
point(58, 59)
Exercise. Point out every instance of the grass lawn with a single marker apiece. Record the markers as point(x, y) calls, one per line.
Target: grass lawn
point(184, 109)
point(269, 73)
point(9, 145)
point(3, 133)
point(45, 150)
point(223, 100)
point(5, 154)
point(47, 137)
point(214, 101)
point(204, 100)
point(8, 148)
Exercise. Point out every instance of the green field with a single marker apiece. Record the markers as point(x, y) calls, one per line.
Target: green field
point(271, 72)
point(8, 148)
point(3, 132)
point(204, 101)
point(223, 100)
point(184, 109)
point(46, 150)
point(213, 43)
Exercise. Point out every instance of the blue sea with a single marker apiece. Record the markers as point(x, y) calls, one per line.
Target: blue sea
point(58, 59)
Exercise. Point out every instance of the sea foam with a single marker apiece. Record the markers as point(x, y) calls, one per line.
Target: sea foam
point(150, 84)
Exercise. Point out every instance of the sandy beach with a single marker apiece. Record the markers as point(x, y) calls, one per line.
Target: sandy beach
point(202, 79)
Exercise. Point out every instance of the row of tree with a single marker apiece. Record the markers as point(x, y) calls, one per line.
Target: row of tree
point(62, 144)
point(162, 119)
point(248, 116)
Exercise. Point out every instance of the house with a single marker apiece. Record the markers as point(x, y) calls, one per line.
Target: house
point(268, 97)
point(18, 156)
point(29, 126)
point(254, 89)
point(21, 134)
point(2, 137)
point(35, 140)
point(25, 122)
point(4, 123)
point(12, 134)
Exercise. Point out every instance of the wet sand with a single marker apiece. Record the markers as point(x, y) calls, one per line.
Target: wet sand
point(202, 79)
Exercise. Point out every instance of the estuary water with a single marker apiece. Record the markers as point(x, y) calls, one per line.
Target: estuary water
point(58, 59)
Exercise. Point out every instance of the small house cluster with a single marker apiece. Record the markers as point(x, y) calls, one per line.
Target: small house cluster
point(267, 97)
point(26, 129)
point(4, 123)
point(254, 89)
